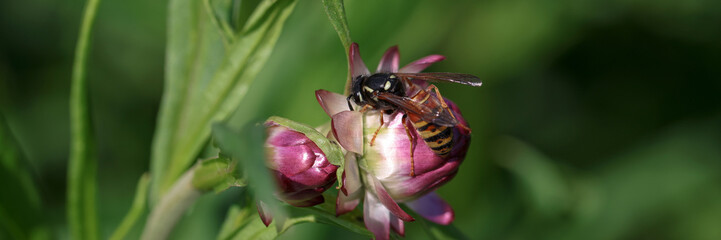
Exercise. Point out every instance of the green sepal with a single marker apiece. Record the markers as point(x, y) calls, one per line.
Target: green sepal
point(216, 174)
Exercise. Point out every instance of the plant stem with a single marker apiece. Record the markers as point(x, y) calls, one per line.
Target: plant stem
point(171, 207)
point(82, 216)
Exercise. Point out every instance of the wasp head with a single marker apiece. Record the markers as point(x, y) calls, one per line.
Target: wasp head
point(365, 89)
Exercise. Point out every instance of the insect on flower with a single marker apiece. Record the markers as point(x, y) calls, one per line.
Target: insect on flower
point(424, 107)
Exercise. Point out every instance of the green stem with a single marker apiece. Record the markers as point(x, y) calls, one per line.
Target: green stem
point(82, 216)
point(171, 207)
point(136, 209)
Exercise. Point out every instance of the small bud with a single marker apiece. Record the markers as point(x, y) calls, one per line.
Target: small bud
point(300, 167)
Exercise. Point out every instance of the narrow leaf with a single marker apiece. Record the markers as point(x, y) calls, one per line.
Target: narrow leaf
point(246, 147)
point(336, 14)
point(136, 209)
point(255, 230)
point(236, 219)
point(196, 101)
point(318, 215)
point(440, 232)
point(194, 52)
point(20, 204)
point(219, 21)
point(82, 216)
point(325, 213)
point(242, 9)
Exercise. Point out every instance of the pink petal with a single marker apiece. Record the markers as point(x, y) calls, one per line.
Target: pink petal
point(344, 204)
point(376, 217)
point(389, 62)
point(293, 160)
point(348, 129)
point(351, 192)
point(433, 208)
point(420, 64)
point(357, 67)
point(387, 200)
point(332, 103)
point(265, 215)
point(398, 226)
point(351, 178)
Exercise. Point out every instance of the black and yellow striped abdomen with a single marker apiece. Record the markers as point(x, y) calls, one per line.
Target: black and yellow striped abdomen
point(439, 138)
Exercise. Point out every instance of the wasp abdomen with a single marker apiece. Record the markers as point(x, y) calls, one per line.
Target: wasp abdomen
point(438, 138)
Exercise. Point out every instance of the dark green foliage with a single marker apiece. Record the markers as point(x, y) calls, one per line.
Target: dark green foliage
point(597, 119)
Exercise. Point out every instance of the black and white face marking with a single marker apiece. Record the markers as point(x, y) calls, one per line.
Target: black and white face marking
point(364, 89)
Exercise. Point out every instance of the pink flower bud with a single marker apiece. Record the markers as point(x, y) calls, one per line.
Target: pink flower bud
point(300, 168)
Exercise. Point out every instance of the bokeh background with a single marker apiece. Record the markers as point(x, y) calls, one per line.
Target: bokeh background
point(597, 119)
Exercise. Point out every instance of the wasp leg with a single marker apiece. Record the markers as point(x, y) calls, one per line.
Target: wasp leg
point(365, 108)
point(350, 107)
point(445, 106)
point(413, 146)
point(377, 130)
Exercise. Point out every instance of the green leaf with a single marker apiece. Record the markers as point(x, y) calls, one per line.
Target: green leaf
point(437, 231)
point(351, 221)
point(205, 82)
point(441, 232)
point(336, 14)
point(236, 219)
point(194, 52)
point(136, 209)
point(332, 150)
point(82, 216)
point(246, 147)
point(219, 19)
point(20, 204)
point(256, 230)
point(242, 222)
point(242, 9)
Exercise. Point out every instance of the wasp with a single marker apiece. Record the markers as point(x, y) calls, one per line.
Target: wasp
point(423, 106)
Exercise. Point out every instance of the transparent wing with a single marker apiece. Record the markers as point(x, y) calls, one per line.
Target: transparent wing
point(461, 78)
point(431, 110)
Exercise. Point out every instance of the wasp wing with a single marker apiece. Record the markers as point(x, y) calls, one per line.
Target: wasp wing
point(431, 110)
point(461, 78)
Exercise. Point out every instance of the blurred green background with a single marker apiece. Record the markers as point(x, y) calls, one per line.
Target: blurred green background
point(597, 119)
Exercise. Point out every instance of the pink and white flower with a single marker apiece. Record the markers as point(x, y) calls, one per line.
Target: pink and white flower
point(380, 174)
